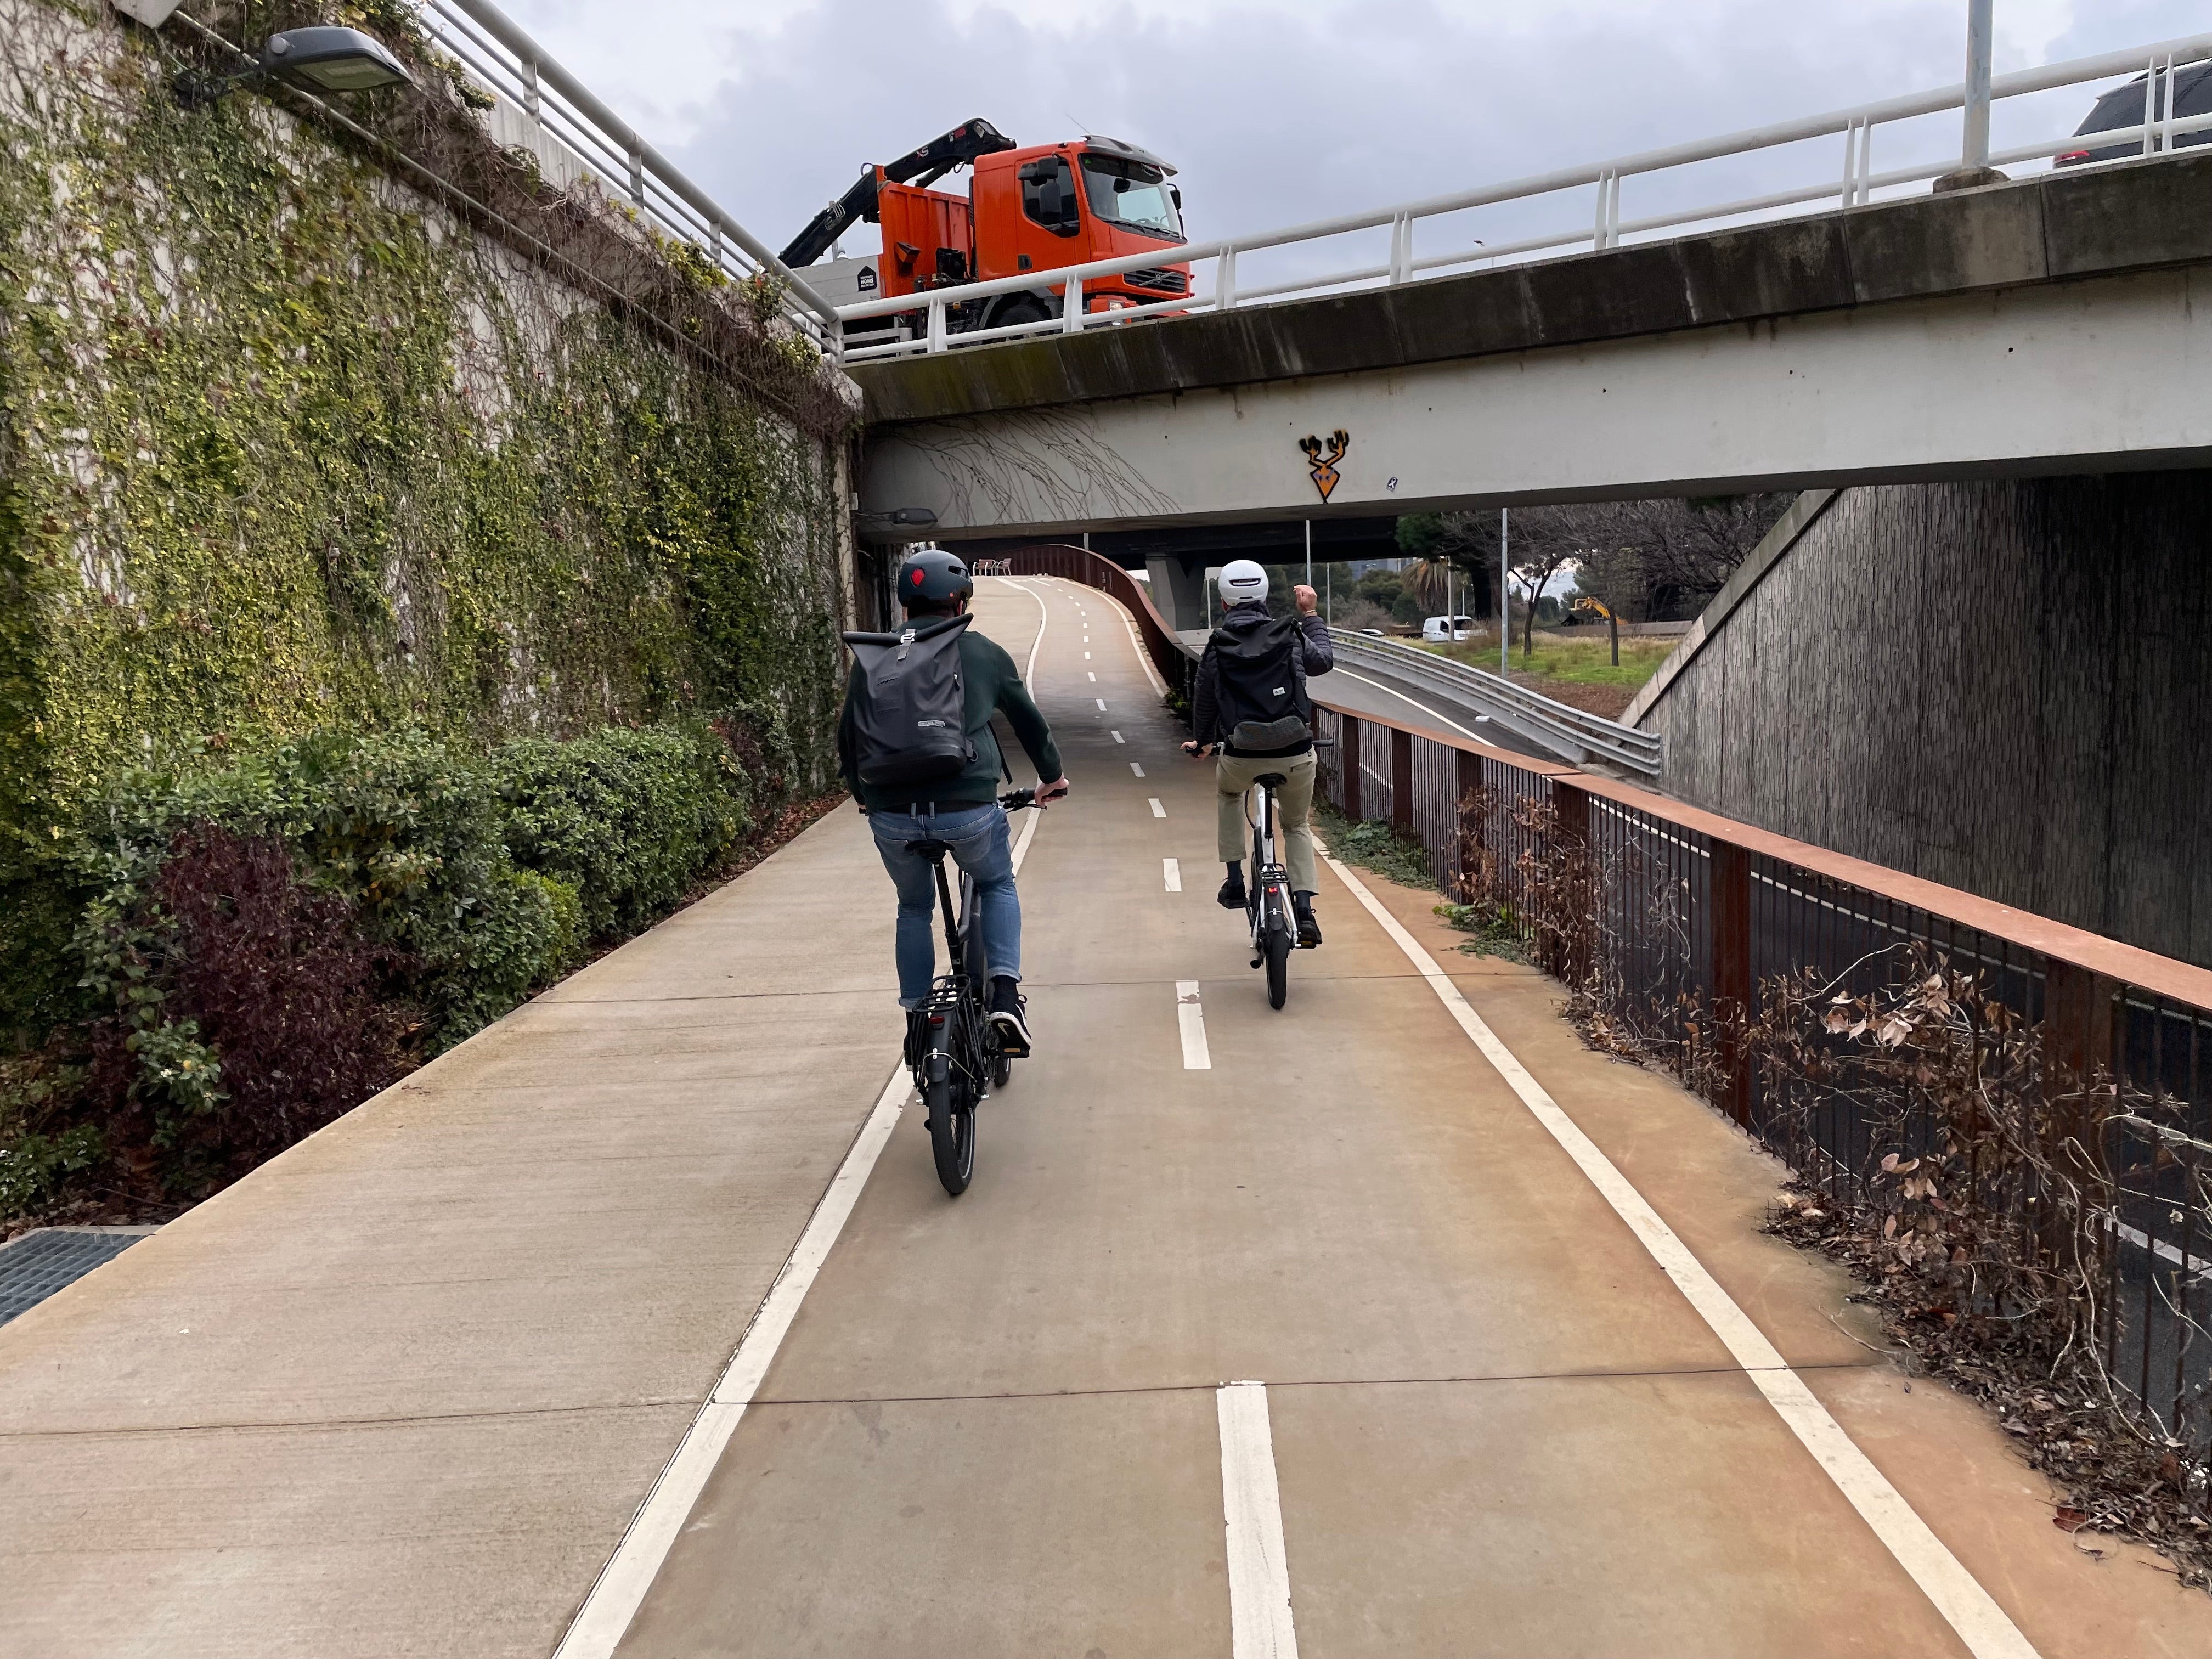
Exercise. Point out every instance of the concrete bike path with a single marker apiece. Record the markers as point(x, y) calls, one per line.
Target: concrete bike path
point(401, 1390)
point(994, 1424)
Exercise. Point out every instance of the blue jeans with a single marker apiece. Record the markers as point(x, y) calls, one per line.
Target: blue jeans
point(983, 848)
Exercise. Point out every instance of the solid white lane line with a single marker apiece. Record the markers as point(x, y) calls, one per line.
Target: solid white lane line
point(1137, 769)
point(1171, 873)
point(622, 1586)
point(1158, 811)
point(1029, 833)
point(1388, 692)
point(1190, 1018)
point(1969, 1609)
point(1101, 705)
point(1117, 737)
point(1044, 616)
point(1260, 1626)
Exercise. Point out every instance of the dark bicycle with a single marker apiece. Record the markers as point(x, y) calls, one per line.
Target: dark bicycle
point(964, 1060)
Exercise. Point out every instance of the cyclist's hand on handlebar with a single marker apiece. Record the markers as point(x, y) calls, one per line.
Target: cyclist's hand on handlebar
point(1196, 750)
point(1056, 790)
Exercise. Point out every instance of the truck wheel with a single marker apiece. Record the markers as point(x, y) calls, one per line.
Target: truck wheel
point(1027, 308)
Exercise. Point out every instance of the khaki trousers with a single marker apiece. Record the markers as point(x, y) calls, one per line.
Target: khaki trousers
point(1233, 775)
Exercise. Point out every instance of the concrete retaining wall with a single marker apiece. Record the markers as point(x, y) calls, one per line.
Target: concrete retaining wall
point(2001, 686)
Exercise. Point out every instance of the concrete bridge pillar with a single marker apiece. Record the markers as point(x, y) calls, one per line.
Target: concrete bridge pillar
point(1178, 591)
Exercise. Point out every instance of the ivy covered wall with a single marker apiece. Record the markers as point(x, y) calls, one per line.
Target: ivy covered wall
point(288, 445)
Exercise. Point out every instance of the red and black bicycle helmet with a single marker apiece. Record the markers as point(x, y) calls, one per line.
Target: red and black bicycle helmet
point(932, 577)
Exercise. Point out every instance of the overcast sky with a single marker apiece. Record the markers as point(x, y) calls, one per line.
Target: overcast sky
point(1278, 113)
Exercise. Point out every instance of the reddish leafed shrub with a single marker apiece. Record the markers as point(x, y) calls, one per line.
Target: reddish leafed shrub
point(284, 988)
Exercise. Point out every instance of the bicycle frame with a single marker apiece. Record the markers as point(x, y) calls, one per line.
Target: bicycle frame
point(1268, 873)
point(956, 998)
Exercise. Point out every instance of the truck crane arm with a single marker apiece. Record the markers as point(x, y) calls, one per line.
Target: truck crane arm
point(923, 168)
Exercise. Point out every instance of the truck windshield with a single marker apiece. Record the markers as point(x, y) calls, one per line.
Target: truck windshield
point(1132, 196)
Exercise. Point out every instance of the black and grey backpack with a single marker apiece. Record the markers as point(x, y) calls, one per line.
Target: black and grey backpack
point(1260, 687)
point(909, 709)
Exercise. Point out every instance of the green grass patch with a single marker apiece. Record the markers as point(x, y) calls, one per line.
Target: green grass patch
point(1579, 661)
point(1496, 932)
point(1376, 845)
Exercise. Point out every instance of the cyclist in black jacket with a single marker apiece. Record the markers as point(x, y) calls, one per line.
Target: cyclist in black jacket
point(1243, 587)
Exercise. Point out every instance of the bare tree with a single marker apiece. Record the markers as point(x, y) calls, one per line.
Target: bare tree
point(1660, 556)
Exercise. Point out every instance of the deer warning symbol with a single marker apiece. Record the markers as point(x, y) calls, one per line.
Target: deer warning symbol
point(1321, 458)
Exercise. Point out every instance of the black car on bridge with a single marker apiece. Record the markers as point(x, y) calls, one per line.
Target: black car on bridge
point(2123, 106)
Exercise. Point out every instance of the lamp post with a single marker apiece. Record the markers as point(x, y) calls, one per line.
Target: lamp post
point(1974, 166)
point(1504, 593)
point(319, 59)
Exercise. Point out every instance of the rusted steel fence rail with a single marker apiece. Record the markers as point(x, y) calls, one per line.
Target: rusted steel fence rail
point(2066, 1103)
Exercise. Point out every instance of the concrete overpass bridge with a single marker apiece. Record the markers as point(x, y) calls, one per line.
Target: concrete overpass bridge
point(2058, 324)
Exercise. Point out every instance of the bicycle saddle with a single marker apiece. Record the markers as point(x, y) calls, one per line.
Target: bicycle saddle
point(1273, 780)
point(929, 849)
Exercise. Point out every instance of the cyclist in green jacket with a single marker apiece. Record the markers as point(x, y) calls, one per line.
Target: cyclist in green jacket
point(961, 812)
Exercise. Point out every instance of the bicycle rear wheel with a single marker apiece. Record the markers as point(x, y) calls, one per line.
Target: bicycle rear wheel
point(1276, 942)
point(951, 1106)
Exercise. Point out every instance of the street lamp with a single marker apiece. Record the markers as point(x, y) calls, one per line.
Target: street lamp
point(321, 59)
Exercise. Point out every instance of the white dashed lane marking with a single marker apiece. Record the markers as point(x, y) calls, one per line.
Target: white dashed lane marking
point(1137, 769)
point(1117, 737)
point(1158, 811)
point(1171, 873)
point(1190, 1016)
point(1260, 1626)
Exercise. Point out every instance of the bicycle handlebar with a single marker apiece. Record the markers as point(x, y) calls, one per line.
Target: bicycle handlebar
point(1015, 799)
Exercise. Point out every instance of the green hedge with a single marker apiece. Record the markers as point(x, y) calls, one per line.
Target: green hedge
point(468, 880)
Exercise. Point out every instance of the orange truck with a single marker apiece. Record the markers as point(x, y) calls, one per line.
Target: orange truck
point(1027, 210)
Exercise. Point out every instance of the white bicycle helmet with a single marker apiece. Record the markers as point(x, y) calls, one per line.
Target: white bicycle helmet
point(1242, 580)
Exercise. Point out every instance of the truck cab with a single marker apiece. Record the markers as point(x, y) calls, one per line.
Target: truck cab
point(1032, 210)
point(1050, 206)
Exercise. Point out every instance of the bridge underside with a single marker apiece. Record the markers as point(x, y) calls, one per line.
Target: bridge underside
point(2093, 376)
point(2055, 325)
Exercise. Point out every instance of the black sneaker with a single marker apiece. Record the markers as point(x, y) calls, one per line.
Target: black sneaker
point(1308, 928)
point(1005, 1009)
point(1232, 896)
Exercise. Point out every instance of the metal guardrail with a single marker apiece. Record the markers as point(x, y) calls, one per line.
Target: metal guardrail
point(541, 106)
point(1573, 734)
point(1854, 186)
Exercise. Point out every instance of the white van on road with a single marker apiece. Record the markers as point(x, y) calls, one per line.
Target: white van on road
point(1437, 630)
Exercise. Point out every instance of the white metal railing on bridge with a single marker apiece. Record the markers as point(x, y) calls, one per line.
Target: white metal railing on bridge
point(541, 107)
point(1572, 734)
point(1854, 184)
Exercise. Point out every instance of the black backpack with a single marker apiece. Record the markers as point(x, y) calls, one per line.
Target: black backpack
point(1259, 689)
point(909, 707)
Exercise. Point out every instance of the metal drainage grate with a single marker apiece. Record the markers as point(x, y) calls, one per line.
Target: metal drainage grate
point(43, 1261)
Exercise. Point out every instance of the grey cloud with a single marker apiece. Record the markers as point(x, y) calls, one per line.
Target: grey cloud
point(1279, 115)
